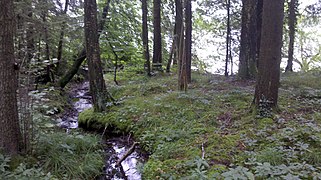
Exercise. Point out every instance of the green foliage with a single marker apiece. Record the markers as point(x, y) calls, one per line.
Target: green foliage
point(22, 171)
point(71, 156)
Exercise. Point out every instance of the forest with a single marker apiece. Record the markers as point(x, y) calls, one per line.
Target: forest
point(171, 89)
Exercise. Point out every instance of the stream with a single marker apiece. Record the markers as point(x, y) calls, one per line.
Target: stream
point(116, 147)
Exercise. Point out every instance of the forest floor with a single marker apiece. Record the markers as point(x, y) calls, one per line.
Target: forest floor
point(209, 132)
point(212, 132)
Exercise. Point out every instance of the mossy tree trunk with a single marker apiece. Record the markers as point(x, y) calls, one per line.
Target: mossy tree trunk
point(97, 84)
point(270, 53)
point(9, 120)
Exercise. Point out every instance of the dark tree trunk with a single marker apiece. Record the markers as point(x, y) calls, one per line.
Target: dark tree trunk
point(292, 23)
point(270, 54)
point(82, 54)
point(259, 13)
point(170, 59)
point(248, 49)
point(46, 36)
point(178, 31)
point(9, 128)
point(96, 80)
point(157, 50)
point(145, 37)
point(188, 40)
point(61, 62)
point(30, 35)
point(228, 37)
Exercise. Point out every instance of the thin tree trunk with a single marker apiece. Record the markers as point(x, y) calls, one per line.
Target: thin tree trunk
point(188, 40)
point(82, 55)
point(145, 37)
point(292, 23)
point(178, 30)
point(10, 136)
point(228, 34)
point(170, 59)
point(61, 62)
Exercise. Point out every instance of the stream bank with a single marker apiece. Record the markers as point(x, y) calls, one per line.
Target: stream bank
point(115, 146)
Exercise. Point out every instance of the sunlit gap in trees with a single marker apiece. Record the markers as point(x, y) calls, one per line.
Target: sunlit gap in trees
point(210, 47)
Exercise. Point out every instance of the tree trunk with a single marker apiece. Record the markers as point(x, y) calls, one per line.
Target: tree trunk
point(30, 35)
point(179, 33)
point(61, 62)
point(228, 36)
point(9, 128)
point(157, 50)
point(96, 79)
point(266, 90)
point(248, 49)
point(259, 14)
point(170, 59)
point(292, 23)
point(188, 40)
point(145, 37)
point(82, 55)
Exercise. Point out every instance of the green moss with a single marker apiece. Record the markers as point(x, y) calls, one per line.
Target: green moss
point(111, 120)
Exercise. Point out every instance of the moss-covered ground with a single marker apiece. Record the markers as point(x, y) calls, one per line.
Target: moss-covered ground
point(211, 132)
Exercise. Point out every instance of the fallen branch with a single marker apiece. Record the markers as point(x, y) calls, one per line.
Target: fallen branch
point(129, 152)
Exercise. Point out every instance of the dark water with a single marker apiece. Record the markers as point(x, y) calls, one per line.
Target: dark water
point(116, 147)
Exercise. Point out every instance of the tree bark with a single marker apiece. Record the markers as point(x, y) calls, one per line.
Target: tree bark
point(178, 31)
point(259, 14)
point(97, 83)
point(228, 36)
point(188, 40)
point(248, 49)
point(82, 55)
point(145, 37)
point(270, 53)
point(157, 47)
point(61, 62)
point(292, 23)
point(9, 128)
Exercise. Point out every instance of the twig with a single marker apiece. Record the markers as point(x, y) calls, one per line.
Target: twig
point(129, 152)
point(203, 151)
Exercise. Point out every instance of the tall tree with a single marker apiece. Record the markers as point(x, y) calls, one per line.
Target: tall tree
point(145, 36)
point(293, 5)
point(228, 36)
point(259, 14)
point(97, 83)
point(270, 53)
point(9, 129)
point(61, 62)
point(157, 47)
point(188, 39)
point(248, 49)
point(178, 30)
point(82, 54)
